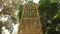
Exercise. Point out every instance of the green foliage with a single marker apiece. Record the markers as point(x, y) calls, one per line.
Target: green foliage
point(20, 12)
point(57, 15)
point(53, 1)
point(50, 15)
point(30, 1)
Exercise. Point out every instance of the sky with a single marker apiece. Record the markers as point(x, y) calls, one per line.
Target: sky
point(35, 1)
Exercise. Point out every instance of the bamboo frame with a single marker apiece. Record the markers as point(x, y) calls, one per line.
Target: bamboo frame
point(29, 21)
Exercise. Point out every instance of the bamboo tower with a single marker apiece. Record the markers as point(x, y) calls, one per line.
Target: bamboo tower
point(30, 20)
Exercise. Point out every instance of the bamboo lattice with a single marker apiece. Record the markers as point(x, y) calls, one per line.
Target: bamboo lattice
point(30, 20)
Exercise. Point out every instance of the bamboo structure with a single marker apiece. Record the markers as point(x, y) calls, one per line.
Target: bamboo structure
point(30, 20)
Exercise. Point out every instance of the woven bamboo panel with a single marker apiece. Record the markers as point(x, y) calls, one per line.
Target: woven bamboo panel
point(30, 13)
point(30, 20)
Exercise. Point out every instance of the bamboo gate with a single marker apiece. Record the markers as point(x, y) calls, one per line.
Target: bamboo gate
point(30, 20)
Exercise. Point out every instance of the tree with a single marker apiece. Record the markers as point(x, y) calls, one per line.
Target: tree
point(48, 12)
